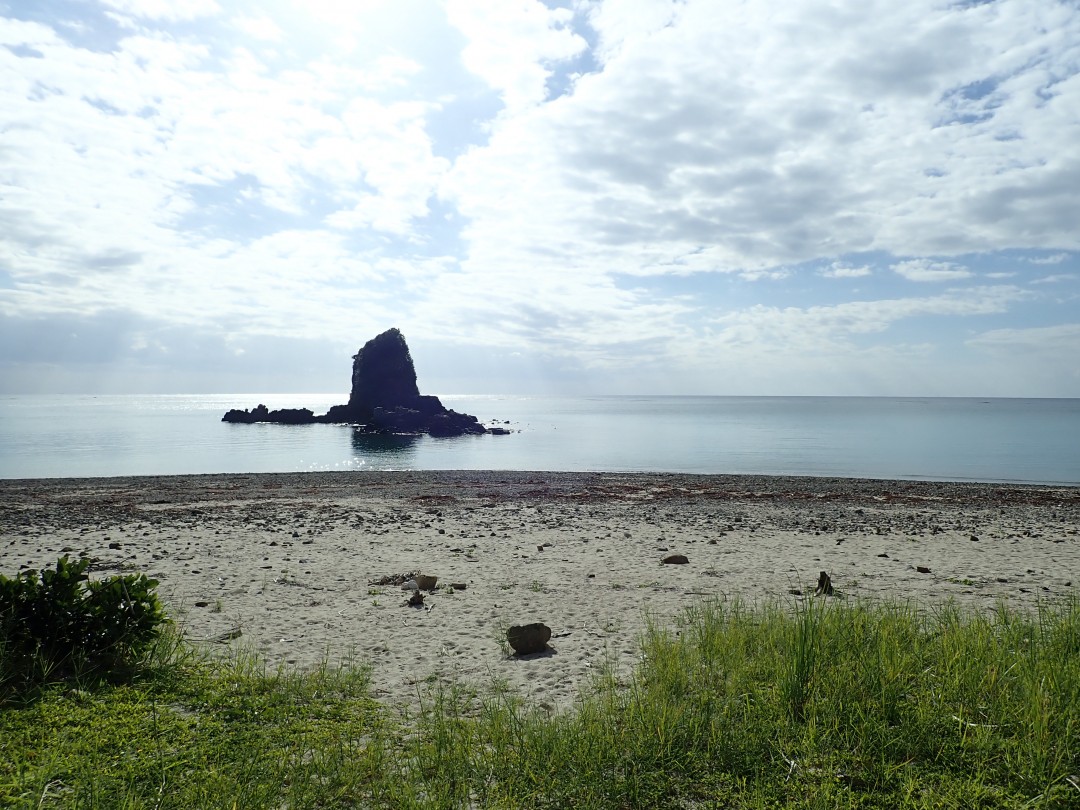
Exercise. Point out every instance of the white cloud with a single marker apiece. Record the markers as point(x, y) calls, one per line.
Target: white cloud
point(388, 148)
point(839, 270)
point(316, 169)
point(165, 10)
point(625, 23)
point(755, 138)
point(818, 327)
point(1057, 258)
point(1036, 361)
point(855, 348)
point(926, 270)
point(147, 180)
point(260, 27)
point(510, 43)
point(1060, 338)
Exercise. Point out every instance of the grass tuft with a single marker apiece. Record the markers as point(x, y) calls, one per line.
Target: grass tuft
point(828, 704)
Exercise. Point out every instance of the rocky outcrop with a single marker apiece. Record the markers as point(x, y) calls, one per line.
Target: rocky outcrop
point(260, 413)
point(384, 398)
point(383, 375)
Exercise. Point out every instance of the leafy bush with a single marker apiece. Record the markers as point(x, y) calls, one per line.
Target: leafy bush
point(61, 623)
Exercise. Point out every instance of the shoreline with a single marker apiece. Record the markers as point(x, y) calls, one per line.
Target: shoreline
point(289, 559)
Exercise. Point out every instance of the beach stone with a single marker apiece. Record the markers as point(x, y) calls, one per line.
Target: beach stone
point(922, 569)
point(528, 638)
point(675, 559)
point(425, 582)
point(416, 599)
point(824, 585)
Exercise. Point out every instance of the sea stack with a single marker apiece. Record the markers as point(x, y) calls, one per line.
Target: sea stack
point(384, 397)
point(383, 375)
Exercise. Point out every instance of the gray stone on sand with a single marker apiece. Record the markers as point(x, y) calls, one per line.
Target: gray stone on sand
point(426, 582)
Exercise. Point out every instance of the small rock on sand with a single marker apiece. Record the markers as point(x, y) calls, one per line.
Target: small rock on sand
point(528, 638)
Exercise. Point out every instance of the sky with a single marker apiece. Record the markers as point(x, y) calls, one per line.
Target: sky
point(571, 197)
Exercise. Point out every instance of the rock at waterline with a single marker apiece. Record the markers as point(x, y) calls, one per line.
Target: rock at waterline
point(384, 398)
point(260, 413)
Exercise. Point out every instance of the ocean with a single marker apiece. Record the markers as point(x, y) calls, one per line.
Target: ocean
point(948, 439)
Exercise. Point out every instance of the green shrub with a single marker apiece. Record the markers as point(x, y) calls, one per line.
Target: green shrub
point(60, 623)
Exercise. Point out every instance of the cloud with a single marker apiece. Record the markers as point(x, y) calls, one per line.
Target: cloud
point(804, 329)
point(602, 184)
point(1056, 258)
point(120, 349)
point(726, 139)
point(1057, 339)
point(260, 27)
point(888, 346)
point(510, 44)
point(926, 270)
point(165, 10)
point(839, 270)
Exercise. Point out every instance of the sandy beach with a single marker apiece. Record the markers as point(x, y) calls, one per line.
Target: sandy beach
point(289, 565)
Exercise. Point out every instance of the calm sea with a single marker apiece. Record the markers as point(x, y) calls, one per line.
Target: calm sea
point(1021, 440)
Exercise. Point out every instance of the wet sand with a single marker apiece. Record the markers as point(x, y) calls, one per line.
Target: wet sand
point(287, 565)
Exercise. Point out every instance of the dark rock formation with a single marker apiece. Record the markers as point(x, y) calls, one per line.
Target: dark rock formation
point(384, 398)
point(260, 413)
point(526, 639)
point(824, 585)
point(383, 375)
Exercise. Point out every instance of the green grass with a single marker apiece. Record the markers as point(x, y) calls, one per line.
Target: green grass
point(826, 705)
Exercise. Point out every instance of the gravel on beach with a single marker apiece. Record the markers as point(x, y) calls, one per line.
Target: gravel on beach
point(290, 566)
